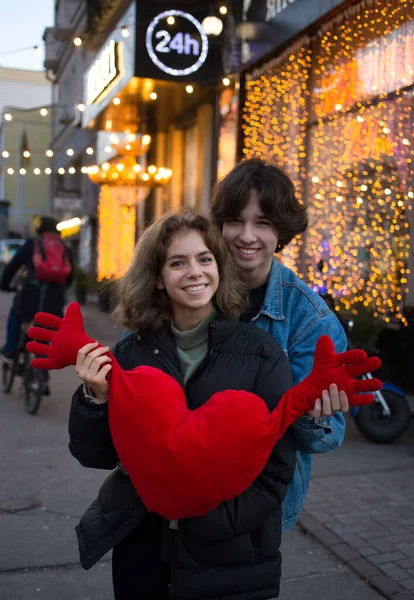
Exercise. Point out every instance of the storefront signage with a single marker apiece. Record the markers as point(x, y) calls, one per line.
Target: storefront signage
point(265, 25)
point(275, 7)
point(69, 200)
point(104, 71)
point(184, 43)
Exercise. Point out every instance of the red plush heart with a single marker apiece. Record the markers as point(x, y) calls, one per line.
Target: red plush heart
point(184, 463)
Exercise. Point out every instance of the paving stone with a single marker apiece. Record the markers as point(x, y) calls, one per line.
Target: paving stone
point(327, 538)
point(310, 524)
point(364, 567)
point(408, 584)
point(400, 538)
point(367, 551)
point(408, 549)
point(402, 596)
point(355, 542)
point(344, 552)
point(385, 585)
point(387, 557)
point(407, 563)
point(395, 572)
point(382, 545)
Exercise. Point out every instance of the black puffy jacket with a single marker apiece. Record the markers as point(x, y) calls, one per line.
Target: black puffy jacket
point(233, 551)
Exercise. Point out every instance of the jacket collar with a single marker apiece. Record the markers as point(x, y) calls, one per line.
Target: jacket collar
point(273, 303)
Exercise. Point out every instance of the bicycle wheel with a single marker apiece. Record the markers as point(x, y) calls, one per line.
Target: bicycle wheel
point(9, 369)
point(33, 381)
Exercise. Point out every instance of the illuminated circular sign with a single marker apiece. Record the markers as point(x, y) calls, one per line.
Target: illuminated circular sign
point(176, 43)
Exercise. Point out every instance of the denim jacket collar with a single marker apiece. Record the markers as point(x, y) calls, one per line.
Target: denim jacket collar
point(273, 303)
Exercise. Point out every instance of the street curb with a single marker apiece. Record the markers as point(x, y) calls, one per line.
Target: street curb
point(352, 558)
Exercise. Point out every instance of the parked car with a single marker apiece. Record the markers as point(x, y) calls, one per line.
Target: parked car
point(8, 249)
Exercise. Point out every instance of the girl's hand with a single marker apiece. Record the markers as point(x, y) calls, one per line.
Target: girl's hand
point(332, 402)
point(92, 366)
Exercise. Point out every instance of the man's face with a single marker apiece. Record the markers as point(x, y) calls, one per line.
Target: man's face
point(252, 241)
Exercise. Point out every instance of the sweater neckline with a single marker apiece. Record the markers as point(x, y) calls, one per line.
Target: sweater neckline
point(193, 337)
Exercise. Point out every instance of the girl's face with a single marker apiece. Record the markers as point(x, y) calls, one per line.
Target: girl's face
point(190, 276)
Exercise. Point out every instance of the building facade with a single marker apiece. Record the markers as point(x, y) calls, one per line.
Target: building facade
point(334, 106)
point(25, 128)
point(145, 72)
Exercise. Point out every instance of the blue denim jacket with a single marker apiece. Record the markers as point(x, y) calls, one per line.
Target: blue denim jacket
point(296, 317)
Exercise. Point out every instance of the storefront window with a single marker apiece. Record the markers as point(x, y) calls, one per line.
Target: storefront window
point(117, 221)
point(227, 139)
point(358, 167)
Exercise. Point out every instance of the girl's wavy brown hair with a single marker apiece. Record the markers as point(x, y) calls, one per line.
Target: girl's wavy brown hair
point(143, 306)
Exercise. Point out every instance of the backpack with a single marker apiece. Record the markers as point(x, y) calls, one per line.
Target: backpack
point(50, 259)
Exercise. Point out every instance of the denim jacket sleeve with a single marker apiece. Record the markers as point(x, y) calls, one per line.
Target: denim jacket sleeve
point(312, 436)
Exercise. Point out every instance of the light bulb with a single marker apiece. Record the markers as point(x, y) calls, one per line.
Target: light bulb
point(153, 95)
point(77, 41)
point(81, 107)
point(189, 89)
point(89, 150)
point(212, 25)
point(49, 153)
point(124, 32)
point(5, 154)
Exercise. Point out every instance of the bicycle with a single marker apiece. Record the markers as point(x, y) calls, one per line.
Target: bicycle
point(34, 381)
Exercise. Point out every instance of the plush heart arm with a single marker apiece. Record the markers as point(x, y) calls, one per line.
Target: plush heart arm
point(65, 338)
point(328, 368)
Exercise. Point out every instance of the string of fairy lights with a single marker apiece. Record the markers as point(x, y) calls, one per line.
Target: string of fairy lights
point(337, 112)
point(79, 40)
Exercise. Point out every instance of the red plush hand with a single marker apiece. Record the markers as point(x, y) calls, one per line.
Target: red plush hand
point(328, 367)
point(64, 343)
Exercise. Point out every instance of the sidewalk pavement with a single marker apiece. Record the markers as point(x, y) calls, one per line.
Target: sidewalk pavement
point(38, 551)
point(368, 523)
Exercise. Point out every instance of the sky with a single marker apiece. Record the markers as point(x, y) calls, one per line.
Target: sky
point(22, 28)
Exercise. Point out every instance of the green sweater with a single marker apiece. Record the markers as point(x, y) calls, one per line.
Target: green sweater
point(192, 345)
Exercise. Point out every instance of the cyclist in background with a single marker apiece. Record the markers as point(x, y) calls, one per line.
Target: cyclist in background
point(48, 266)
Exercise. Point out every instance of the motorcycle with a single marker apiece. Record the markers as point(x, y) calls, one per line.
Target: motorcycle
point(388, 417)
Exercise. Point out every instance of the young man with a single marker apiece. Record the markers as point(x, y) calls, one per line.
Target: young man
point(256, 208)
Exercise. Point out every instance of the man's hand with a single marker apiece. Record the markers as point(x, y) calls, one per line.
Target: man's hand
point(332, 401)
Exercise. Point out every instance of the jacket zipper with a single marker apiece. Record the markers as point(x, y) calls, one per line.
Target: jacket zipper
point(171, 585)
point(207, 357)
point(255, 541)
